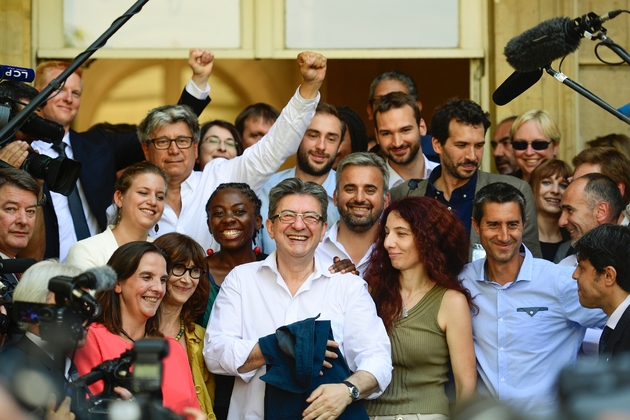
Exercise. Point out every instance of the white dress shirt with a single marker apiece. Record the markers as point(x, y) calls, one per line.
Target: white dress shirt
point(257, 164)
point(67, 235)
point(254, 301)
point(330, 247)
point(395, 179)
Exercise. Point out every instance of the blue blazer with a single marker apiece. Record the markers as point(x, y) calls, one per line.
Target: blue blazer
point(101, 154)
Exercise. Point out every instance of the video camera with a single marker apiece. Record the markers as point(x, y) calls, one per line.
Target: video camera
point(61, 173)
point(144, 382)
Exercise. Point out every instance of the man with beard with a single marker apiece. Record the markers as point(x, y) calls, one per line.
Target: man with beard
point(315, 157)
point(502, 147)
point(361, 195)
point(458, 129)
point(397, 128)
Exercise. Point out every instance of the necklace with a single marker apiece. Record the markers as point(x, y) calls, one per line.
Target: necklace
point(123, 332)
point(405, 311)
point(181, 328)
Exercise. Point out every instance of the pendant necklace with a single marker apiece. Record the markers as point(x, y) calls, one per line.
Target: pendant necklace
point(405, 311)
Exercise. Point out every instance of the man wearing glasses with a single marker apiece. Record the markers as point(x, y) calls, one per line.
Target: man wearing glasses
point(169, 136)
point(292, 285)
point(458, 129)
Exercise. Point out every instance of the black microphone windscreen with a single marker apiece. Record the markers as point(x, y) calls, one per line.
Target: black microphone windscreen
point(15, 265)
point(539, 46)
point(517, 83)
point(105, 278)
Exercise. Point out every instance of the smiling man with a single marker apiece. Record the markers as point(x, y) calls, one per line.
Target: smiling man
point(360, 196)
point(397, 127)
point(603, 279)
point(296, 285)
point(169, 136)
point(459, 128)
point(315, 157)
point(530, 323)
point(589, 201)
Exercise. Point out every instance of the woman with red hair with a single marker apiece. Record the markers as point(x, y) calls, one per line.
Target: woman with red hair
point(413, 277)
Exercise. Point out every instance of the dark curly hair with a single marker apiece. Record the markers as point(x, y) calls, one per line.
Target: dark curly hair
point(442, 243)
point(464, 111)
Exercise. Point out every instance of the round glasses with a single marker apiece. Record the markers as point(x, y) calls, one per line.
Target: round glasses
point(180, 269)
point(536, 144)
point(163, 143)
point(288, 216)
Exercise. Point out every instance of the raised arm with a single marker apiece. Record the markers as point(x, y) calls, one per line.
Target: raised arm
point(313, 69)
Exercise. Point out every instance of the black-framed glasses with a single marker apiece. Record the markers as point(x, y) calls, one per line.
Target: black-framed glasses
point(289, 217)
point(216, 141)
point(179, 270)
point(163, 143)
point(536, 144)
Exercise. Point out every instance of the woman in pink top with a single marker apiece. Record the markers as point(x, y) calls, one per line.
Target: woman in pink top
point(130, 313)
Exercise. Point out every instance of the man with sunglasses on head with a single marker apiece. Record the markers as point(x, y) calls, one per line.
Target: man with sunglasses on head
point(169, 136)
point(287, 291)
point(458, 129)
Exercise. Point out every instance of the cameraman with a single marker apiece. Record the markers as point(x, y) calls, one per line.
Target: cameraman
point(32, 354)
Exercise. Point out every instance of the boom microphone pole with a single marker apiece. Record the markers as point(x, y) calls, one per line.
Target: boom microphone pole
point(56, 83)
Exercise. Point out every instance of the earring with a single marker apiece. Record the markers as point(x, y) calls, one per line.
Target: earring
point(210, 252)
point(118, 215)
point(157, 227)
point(257, 250)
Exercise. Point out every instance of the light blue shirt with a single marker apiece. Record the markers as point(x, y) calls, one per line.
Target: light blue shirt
point(527, 331)
point(267, 244)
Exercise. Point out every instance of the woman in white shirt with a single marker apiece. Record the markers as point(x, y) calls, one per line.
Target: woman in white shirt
point(139, 198)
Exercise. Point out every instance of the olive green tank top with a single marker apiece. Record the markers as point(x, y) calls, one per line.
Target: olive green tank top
point(421, 362)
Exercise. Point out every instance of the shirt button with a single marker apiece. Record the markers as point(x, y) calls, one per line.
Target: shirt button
point(500, 319)
point(464, 195)
point(501, 349)
point(531, 312)
point(449, 208)
point(502, 379)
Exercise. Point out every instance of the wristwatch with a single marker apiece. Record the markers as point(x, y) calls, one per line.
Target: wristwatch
point(354, 391)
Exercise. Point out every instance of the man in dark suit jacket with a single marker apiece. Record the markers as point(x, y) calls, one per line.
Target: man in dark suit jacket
point(603, 276)
point(101, 153)
point(458, 129)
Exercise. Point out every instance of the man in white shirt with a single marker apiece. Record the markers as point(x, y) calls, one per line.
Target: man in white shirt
point(361, 194)
point(82, 213)
point(397, 129)
point(315, 158)
point(293, 284)
point(169, 136)
point(603, 278)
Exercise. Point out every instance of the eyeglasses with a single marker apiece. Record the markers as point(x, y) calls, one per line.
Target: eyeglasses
point(180, 269)
point(163, 143)
point(289, 217)
point(215, 140)
point(536, 144)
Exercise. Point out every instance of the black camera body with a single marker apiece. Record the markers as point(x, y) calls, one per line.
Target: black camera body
point(60, 174)
point(139, 370)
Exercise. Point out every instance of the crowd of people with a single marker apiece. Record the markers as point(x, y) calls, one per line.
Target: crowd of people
point(387, 281)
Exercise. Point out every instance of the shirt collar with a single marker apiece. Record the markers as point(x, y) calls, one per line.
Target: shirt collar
point(616, 315)
point(524, 274)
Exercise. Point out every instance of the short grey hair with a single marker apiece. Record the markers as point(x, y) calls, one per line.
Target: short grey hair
point(33, 285)
point(364, 159)
point(295, 186)
point(399, 76)
point(166, 115)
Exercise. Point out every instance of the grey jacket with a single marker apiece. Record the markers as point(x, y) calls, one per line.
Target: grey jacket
point(530, 233)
